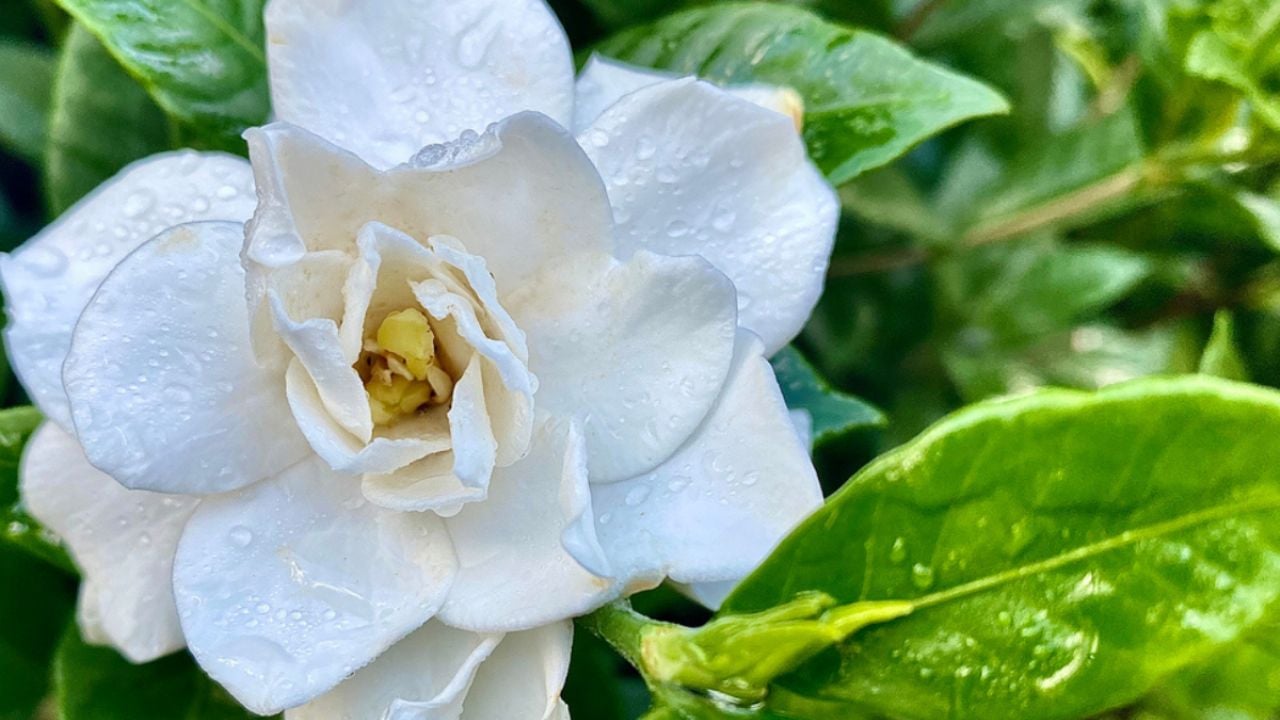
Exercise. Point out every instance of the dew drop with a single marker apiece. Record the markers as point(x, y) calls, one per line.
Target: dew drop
point(637, 495)
point(240, 536)
point(922, 576)
point(898, 551)
point(138, 203)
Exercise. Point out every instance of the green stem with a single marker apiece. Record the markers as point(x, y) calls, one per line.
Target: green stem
point(621, 627)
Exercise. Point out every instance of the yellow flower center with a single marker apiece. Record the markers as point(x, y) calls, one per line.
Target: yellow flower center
point(400, 368)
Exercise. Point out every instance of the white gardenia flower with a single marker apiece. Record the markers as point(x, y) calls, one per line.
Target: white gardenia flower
point(366, 441)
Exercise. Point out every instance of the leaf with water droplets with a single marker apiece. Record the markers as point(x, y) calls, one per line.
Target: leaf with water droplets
point(867, 99)
point(832, 412)
point(202, 60)
point(1065, 552)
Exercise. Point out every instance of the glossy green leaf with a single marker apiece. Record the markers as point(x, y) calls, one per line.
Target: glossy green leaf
point(867, 99)
point(35, 603)
point(17, 528)
point(101, 121)
point(24, 97)
point(203, 60)
point(622, 13)
point(95, 683)
point(1221, 356)
point(832, 412)
point(1065, 552)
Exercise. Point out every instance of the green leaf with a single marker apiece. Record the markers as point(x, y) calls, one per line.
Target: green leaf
point(1221, 356)
point(1242, 49)
point(1029, 288)
point(867, 100)
point(1064, 180)
point(94, 683)
point(202, 60)
point(101, 121)
point(833, 413)
point(35, 604)
point(24, 97)
point(17, 528)
point(1064, 552)
point(623, 13)
point(1242, 683)
point(1086, 357)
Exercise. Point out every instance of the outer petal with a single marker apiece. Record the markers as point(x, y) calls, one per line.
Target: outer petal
point(519, 196)
point(523, 678)
point(605, 81)
point(423, 677)
point(122, 540)
point(715, 510)
point(165, 392)
point(291, 585)
point(514, 573)
point(439, 673)
point(693, 170)
point(385, 79)
point(49, 280)
point(636, 351)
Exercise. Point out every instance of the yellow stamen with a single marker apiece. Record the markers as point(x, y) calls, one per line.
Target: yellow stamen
point(400, 369)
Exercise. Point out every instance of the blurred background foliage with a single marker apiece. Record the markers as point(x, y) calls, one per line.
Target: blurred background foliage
point(1122, 220)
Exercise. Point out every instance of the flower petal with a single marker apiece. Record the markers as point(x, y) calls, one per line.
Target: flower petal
point(49, 280)
point(290, 585)
point(691, 169)
point(122, 540)
point(427, 484)
point(635, 351)
point(513, 571)
point(473, 444)
point(524, 195)
point(718, 507)
point(439, 673)
point(386, 79)
point(604, 81)
point(316, 345)
point(390, 449)
point(423, 677)
point(523, 678)
point(165, 392)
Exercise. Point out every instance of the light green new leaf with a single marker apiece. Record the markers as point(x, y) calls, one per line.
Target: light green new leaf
point(94, 683)
point(867, 99)
point(101, 121)
point(24, 97)
point(833, 413)
point(203, 60)
point(1241, 49)
point(1221, 356)
point(1064, 551)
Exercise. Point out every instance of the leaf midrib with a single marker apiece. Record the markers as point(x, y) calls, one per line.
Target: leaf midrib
point(1101, 547)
